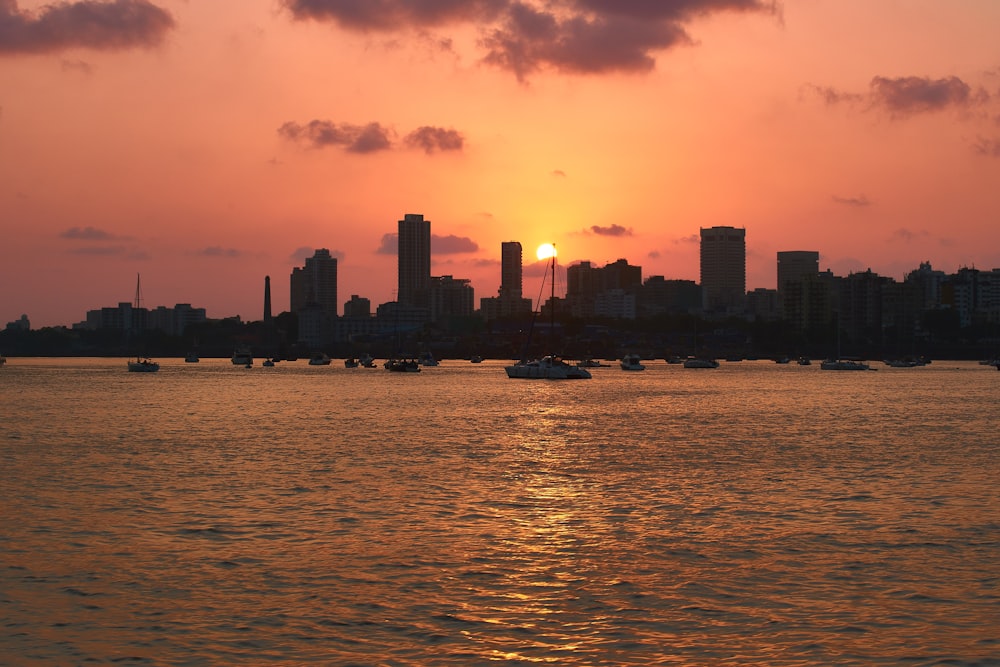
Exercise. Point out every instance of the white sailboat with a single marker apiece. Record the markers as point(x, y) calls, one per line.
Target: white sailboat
point(140, 364)
point(550, 366)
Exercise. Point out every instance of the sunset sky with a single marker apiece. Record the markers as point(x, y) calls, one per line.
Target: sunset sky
point(205, 144)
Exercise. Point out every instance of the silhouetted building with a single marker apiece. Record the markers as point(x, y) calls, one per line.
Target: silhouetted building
point(610, 291)
point(509, 299)
point(357, 307)
point(723, 270)
point(315, 284)
point(267, 299)
point(414, 258)
point(662, 297)
point(313, 292)
point(20, 324)
point(451, 297)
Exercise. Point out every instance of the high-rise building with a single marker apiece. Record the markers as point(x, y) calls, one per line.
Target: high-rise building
point(414, 255)
point(315, 284)
point(267, 299)
point(723, 270)
point(795, 265)
point(510, 270)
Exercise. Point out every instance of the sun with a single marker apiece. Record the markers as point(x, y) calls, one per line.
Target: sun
point(545, 251)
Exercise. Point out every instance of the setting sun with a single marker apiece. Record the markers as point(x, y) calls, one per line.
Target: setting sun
point(545, 251)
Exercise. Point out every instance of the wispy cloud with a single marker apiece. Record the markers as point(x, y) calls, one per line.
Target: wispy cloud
point(86, 234)
point(220, 252)
point(524, 36)
point(906, 96)
point(987, 147)
point(369, 138)
point(372, 137)
point(90, 24)
point(860, 201)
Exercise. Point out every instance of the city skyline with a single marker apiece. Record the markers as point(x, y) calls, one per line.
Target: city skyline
point(208, 145)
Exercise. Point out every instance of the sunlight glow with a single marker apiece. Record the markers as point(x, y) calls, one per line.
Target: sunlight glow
point(545, 251)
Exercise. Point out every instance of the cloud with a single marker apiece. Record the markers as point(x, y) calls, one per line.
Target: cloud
point(100, 251)
point(524, 36)
point(440, 245)
point(612, 230)
point(219, 251)
point(908, 95)
point(389, 245)
point(86, 234)
point(301, 254)
point(558, 173)
point(987, 147)
point(431, 139)
point(913, 94)
point(368, 138)
point(906, 235)
point(451, 244)
point(859, 201)
point(80, 66)
point(113, 25)
point(391, 15)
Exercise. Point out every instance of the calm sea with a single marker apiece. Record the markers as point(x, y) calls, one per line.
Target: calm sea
point(754, 514)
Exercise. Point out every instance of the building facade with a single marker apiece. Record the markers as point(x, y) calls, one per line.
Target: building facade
point(723, 270)
point(414, 261)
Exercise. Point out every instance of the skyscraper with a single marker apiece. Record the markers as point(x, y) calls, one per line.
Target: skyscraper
point(510, 270)
point(414, 255)
point(723, 269)
point(315, 284)
point(795, 265)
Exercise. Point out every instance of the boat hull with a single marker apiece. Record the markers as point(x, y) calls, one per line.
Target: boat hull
point(547, 368)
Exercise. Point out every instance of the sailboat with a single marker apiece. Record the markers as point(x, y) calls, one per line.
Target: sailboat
point(840, 363)
point(140, 364)
point(551, 366)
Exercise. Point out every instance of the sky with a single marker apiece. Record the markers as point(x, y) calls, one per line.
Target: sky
point(206, 144)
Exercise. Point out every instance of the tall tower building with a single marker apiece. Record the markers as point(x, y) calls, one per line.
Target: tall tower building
point(267, 299)
point(414, 257)
point(796, 265)
point(723, 269)
point(510, 270)
point(315, 284)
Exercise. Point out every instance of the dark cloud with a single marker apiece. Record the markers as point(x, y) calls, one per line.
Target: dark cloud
point(368, 138)
point(833, 96)
point(913, 94)
point(431, 139)
point(396, 14)
point(859, 201)
point(906, 235)
point(577, 36)
point(86, 234)
point(451, 244)
point(612, 230)
point(219, 251)
point(118, 24)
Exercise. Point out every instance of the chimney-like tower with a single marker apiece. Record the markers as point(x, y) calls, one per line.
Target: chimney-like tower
point(267, 298)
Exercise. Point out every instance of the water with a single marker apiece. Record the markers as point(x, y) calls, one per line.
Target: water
point(755, 514)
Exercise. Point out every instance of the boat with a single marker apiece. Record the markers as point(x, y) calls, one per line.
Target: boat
point(350, 363)
point(781, 360)
point(268, 363)
point(3, 360)
point(632, 362)
point(427, 359)
point(804, 361)
point(908, 362)
point(591, 363)
point(549, 367)
point(700, 362)
point(191, 358)
point(674, 359)
point(242, 356)
point(844, 365)
point(402, 365)
point(476, 359)
point(320, 359)
point(366, 361)
point(141, 364)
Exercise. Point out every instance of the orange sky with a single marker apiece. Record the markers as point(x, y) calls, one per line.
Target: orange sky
point(208, 144)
